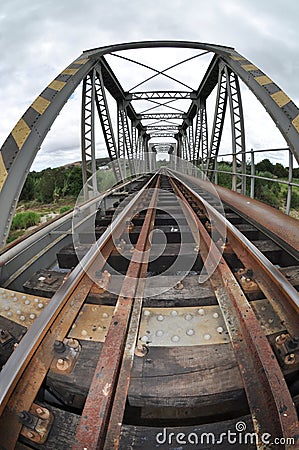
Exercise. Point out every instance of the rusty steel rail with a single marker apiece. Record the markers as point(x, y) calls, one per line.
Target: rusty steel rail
point(272, 408)
point(282, 295)
point(108, 384)
point(24, 372)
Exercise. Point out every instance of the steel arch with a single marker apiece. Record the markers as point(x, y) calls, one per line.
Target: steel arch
point(20, 148)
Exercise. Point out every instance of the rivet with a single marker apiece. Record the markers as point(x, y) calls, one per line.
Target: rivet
point(207, 337)
point(84, 333)
point(146, 313)
point(175, 338)
point(27, 302)
point(105, 315)
point(290, 359)
point(73, 343)
point(32, 316)
point(36, 300)
point(219, 330)
point(22, 318)
point(190, 332)
point(12, 294)
point(7, 308)
point(62, 364)
point(215, 315)
point(188, 317)
point(14, 299)
point(19, 312)
point(40, 305)
point(160, 317)
point(144, 339)
point(179, 286)
point(159, 333)
point(174, 313)
point(263, 308)
point(9, 314)
point(24, 297)
point(270, 321)
point(201, 312)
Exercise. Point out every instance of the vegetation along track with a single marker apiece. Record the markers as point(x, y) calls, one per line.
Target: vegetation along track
point(181, 318)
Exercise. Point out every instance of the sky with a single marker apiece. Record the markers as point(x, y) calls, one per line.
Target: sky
point(40, 38)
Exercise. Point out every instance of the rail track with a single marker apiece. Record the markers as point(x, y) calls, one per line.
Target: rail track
point(178, 326)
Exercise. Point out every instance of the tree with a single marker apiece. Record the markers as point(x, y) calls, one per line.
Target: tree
point(45, 186)
point(264, 166)
point(280, 171)
point(28, 191)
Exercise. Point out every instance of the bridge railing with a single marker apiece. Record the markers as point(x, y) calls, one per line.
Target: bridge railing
point(252, 176)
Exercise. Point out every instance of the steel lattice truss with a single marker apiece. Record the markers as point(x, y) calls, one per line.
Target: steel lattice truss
point(177, 111)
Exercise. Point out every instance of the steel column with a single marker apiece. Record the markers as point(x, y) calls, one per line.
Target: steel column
point(237, 129)
point(88, 135)
point(127, 137)
point(220, 109)
point(105, 119)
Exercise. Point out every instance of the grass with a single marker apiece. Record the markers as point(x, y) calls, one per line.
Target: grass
point(23, 220)
point(29, 214)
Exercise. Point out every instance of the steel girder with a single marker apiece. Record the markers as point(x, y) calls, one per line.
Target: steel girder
point(220, 109)
point(190, 131)
point(228, 88)
point(21, 146)
point(201, 135)
point(127, 137)
point(160, 95)
point(162, 116)
point(162, 134)
point(238, 132)
point(23, 143)
point(106, 123)
point(88, 134)
point(162, 128)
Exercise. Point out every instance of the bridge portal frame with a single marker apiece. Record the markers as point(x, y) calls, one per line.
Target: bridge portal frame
point(21, 146)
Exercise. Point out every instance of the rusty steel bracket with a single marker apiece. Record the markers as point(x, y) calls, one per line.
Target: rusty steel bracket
point(225, 246)
point(103, 283)
point(37, 423)
point(247, 283)
point(121, 244)
point(287, 350)
point(6, 337)
point(66, 353)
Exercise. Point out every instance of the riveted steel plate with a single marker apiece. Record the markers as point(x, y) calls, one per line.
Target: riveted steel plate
point(271, 323)
point(169, 327)
point(92, 323)
point(197, 325)
point(21, 308)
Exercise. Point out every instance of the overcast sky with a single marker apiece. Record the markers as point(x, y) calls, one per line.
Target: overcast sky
point(39, 38)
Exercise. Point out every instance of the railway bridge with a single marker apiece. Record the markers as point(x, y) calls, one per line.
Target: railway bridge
point(161, 312)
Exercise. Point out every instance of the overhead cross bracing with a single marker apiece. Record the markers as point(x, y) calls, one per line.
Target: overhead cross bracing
point(132, 87)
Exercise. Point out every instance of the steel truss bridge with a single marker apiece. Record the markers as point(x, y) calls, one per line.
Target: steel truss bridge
point(128, 140)
point(166, 299)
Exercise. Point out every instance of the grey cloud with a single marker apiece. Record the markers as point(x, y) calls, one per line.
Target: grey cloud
point(38, 39)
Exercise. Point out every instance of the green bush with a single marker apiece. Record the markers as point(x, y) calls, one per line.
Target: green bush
point(267, 191)
point(64, 209)
point(295, 200)
point(25, 220)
